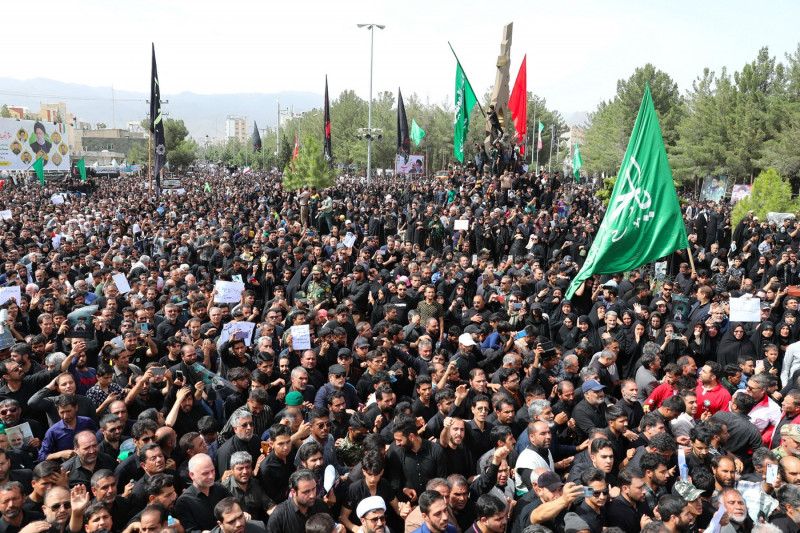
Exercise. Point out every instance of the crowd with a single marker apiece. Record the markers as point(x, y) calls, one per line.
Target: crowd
point(401, 358)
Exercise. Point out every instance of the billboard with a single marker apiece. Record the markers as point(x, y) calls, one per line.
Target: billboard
point(414, 165)
point(740, 192)
point(23, 141)
point(713, 188)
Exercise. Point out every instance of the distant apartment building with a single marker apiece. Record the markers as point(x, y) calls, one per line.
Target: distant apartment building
point(236, 128)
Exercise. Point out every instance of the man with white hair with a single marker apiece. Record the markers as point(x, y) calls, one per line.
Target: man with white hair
point(737, 511)
point(195, 507)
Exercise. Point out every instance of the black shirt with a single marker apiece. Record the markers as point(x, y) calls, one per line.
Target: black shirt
point(622, 514)
point(195, 510)
point(78, 475)
point(27, 518)
point(274, 475)
point(287, 517)
point(408, 469)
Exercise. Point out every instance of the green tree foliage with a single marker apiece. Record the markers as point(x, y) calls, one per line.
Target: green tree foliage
point(174, 133)
point(4, 112)
point(310, 168)
point(610, 125)
point(770, 193)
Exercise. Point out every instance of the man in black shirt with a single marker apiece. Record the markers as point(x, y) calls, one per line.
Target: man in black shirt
point(277, 468)
point(627, 510)
point(590, 412)
point(412, 460)
point(195, 507)
point(291, 515)
point(87, 460)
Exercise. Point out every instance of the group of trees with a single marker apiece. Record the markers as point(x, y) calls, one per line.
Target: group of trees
point(738, 125)
point(349, 114)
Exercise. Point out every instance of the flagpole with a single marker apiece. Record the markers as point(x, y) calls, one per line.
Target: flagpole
point(150, 162)
point(550, 157)
point(691, 259)
point(535, 129)
point(466, 78)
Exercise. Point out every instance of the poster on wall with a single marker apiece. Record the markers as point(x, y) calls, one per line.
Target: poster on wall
point(22, 142)
point(414, 165)
point(740, 192)
point(714, 188)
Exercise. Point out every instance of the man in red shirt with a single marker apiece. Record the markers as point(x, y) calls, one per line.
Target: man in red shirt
point(711, 396)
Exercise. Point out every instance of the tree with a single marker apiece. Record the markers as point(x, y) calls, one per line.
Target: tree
point(610, 126)
point(770, 193)
point(4, 112)
point(310, 168)
point(182, 155)
point(286, 152)
point(174, 133)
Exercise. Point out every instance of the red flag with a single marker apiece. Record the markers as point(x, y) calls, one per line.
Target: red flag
point(518, 105)
point(296, 151)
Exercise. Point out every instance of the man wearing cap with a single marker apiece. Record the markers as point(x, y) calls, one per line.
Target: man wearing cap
point(372, 513)
point(591, 411)
point(337, 381)
point(556, 499)
point(318, 290)
point(464, 358)
point(790, 442)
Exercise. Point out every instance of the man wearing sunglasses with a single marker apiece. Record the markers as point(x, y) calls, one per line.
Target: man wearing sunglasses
point(242, 440)
point(337, 380)
point(320, 420)
point(372, 513)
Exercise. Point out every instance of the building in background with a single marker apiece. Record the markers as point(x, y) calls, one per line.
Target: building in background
point(236, 128)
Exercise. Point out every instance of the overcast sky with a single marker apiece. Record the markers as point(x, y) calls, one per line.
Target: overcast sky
point(577, 50)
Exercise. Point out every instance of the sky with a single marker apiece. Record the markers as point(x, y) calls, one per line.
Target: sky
point(577, 49)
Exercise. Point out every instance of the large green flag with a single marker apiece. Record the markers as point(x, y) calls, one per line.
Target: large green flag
point(417, 133)
point(577, 162)
point(82, 168)
point(643, 222)
point(465, 101)
point(38, 166)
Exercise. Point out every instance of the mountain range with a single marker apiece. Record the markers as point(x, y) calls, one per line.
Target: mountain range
point(203, 114)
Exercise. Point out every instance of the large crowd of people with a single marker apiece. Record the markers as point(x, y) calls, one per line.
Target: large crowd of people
point(395, 357)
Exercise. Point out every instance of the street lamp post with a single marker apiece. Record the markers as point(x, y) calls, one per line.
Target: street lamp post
point(371, 27)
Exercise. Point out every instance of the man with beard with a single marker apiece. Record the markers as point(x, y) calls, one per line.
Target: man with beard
point(86, 461)
point(736, 509)
point(340, 418)
point(14, 517)
point(536, 455)
point(57, 508)
point(724, 472)
point(381, 413)
point(627, 510)
point(372, 513)
point(309, 455)
point(194, 507)
point(245, 489)
point(675, 514)
point(459, 458)
point(291, 515)
point(242, 440)
point(591, 411)
point(655, 474)
point(231, 519)
point(412, 460)
point(630, 403)
point(433, 507)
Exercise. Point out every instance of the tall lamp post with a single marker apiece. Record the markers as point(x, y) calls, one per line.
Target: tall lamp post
point(371, 27)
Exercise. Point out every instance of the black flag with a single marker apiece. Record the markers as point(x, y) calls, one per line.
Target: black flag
point(157, 126)
point(403, 140)
point(256, 138)
point(328, 150)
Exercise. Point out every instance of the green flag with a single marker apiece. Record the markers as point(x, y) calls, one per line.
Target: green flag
point(577, 162)
point(643, 222)
point(207, 188)
point(417, 133)
point(38, 166)
point(465, 101)
point(82, 168)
